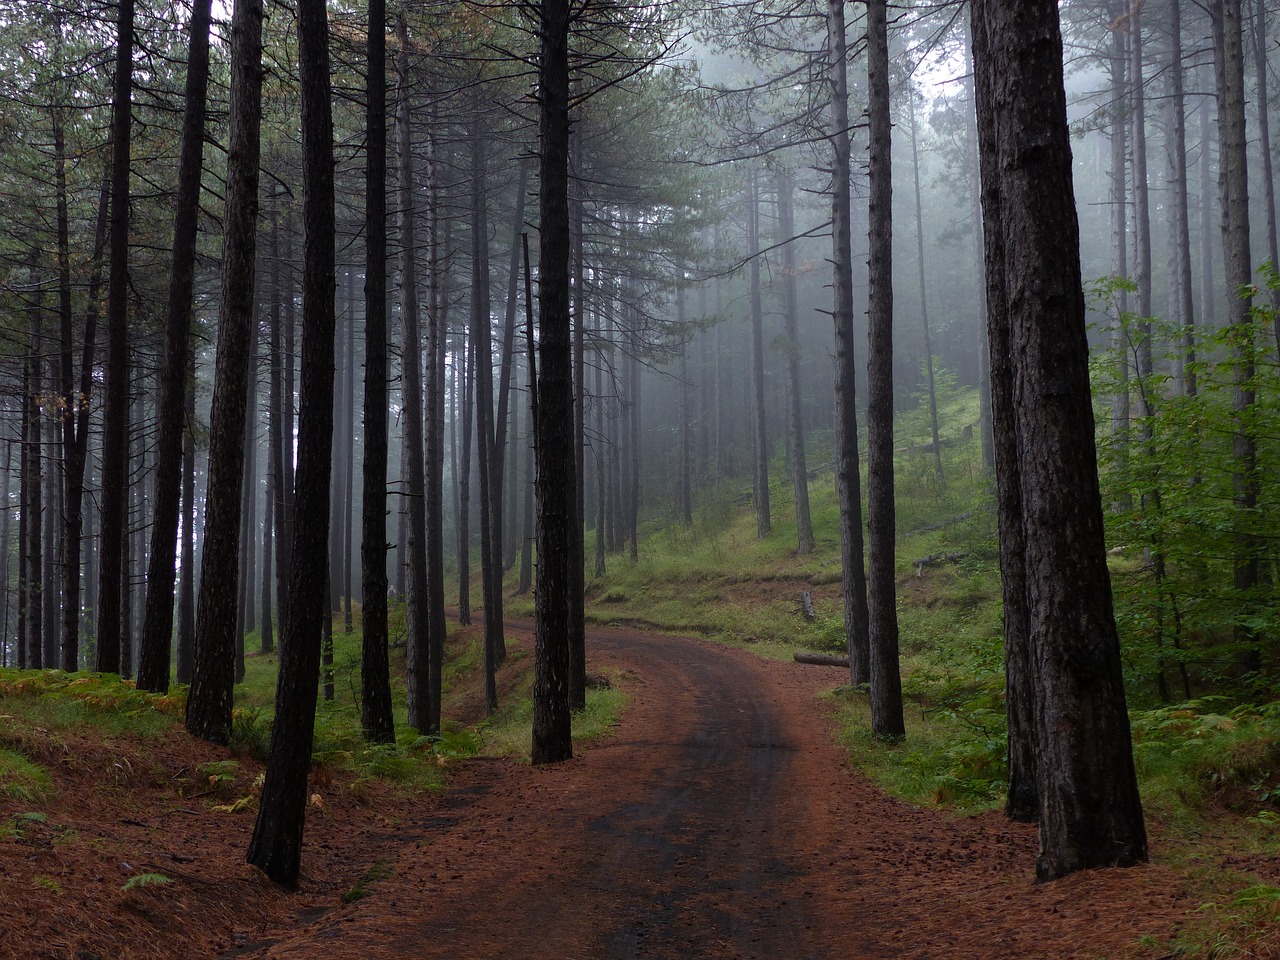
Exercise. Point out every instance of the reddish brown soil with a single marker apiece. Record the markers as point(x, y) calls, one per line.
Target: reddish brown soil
point(718, 821)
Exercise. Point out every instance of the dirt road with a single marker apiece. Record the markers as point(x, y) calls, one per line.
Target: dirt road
point(719, 821)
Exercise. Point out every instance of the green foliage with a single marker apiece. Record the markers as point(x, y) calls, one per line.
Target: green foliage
point(146, 880)
point(57, 701)
point(1170, 479)
point(381, 870)
point(1209, 752)
point(21, 779)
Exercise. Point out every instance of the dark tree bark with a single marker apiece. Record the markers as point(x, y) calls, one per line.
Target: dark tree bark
point(557, 510)
point(886, 681)
point(526, 549)
point(266, 636)
point(578, 313)
point(33, 509)
point(423, 704)
point(187, 580)
point(248, 502)
point(279, 437)
point(1023, 800)
point(1208, 289)
point(848, 474)
point(157, 626)
point(985, 389)
point(349, 435)
point(1264, 141)
point(1233, 193)
point(376, 719)
point(116, 409)
point(463, 475)
point(1180, 214)
point(791, 349)
point(482, 338)
point(759, 424)
point(684, 470)
point(74, 413)
point(213, 673)
point(1090, 812)
point(437, 345)
point(276, 847)
point(1119, 59)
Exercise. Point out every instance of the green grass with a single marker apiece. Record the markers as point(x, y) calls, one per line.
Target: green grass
point(21, 779)
point(510, 731)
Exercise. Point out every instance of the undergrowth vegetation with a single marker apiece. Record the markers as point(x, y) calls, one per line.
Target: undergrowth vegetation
point(1208, 763)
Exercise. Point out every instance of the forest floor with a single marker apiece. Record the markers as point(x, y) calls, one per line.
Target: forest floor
point(720, 819)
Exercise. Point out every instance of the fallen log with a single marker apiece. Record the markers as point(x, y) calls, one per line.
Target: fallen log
point(937, 559)
point(806, 606)
point(822, 659)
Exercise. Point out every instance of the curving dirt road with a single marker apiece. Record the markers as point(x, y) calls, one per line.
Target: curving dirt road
point(719, 821)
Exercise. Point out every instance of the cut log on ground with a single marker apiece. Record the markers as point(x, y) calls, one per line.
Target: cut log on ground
point(822, 659)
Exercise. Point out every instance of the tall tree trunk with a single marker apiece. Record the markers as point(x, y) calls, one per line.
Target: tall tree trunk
point(684, 471)
point(438, 339)
point(349, 434)
point(791, 350)
point(213, 674)
point(462, 475)
point(33, 510)
point(1208, 289)
point(157, 626)
point(985, 387)
point(1233, 192)
point(1120, 231)
point(578, 313)
point(1023, 799)
point(116, 410)
point(186, 582)
point(423, 704)
point(276, 847)
point(376, 718)
point(1090, 812)
point(886, 681)
point(1180, 219)
point(248, 505)
point(266, 635)
point(848, 473)
point(924, 301)
point(557, 510)
point(482, 337)
point(1264, 141)
point(279, 437)
point(759, 424)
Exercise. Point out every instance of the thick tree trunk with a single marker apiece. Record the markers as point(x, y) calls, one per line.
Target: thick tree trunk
point(886, 681)
point(1023, 800)
point(557, 510)
point(116, 409)
point(376, 719)
point(462, 475)
point(276, 847)
point(848, 472)
point(213, 675)
point(1090, 812)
